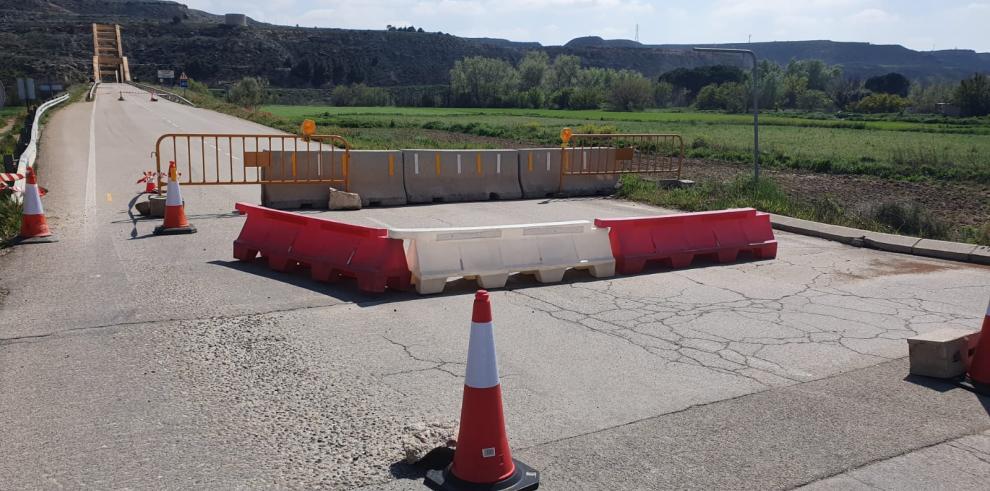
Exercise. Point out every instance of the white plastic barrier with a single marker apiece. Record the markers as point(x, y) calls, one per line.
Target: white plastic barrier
point(490, 254)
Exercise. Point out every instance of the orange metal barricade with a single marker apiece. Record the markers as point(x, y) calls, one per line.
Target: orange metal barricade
point(659, 155)
point(225, 159)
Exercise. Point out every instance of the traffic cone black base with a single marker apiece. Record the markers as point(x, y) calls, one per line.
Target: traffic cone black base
point(161, 230)
point(33, 240)
point(523, 479)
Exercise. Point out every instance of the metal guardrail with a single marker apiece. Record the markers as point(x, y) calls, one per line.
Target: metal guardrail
point(225, 159)
point(611, 154)
point(91, 96)
point(31, 152)
point(164, 93)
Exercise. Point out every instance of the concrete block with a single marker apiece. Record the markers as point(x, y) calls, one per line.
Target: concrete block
point(143, 208)
point(675, 183)
point(943, 353)
point(955, 251)
point(157, 205)
point(890, 242)
point(341, 200)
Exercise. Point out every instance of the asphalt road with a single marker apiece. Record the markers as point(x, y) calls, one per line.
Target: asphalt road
point(129, 360)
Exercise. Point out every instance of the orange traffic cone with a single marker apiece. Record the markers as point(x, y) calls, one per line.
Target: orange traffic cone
point(175, 213)
point(979, 365)
point(482, 459)
point(34, 226)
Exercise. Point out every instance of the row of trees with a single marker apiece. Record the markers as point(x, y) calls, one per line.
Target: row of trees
point(807, 85)
point(536, 82)
point(812, 85)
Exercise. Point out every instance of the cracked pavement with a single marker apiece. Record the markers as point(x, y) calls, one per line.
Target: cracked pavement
point(135, 361)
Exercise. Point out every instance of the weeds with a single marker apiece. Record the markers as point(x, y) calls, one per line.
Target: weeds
point(889, 217)
point(907, 219)
point(10, 217)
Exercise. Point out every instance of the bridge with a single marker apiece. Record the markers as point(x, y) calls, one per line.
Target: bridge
point(109, 62)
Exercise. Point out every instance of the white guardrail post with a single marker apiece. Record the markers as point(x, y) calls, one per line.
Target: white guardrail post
point(27, 158)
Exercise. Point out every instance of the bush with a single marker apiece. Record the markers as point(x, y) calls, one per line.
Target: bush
point(250, 92)
point(908, 219)
point(814, 100)
point(731, 97)
point(881, 103)
point(973, 96)
point(630, 92)
point(892, 83)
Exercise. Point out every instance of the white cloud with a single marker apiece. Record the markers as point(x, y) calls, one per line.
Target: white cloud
point(873, 16)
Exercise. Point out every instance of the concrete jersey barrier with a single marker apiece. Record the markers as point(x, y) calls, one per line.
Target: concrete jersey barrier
point(460, 175)
point(490, 254)
point(376, 175)
point(539, 173)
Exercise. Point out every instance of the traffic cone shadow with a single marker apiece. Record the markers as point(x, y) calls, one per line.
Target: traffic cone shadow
point(34, 226)
point(482, 458)
point(175, 213)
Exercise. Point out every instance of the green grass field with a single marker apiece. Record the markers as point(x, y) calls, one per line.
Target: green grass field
point(922, 148)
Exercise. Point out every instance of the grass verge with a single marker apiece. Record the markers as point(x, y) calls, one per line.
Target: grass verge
point(10, 210)
point(888, 217)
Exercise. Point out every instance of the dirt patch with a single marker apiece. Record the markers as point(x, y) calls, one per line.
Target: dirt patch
point(900, 265)
point(957, 203)
point(7, 125)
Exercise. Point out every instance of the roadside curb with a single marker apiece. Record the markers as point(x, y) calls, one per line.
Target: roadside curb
point(953, 251)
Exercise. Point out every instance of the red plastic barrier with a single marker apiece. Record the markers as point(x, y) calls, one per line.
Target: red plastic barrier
point(678, 239)
point(330, 249)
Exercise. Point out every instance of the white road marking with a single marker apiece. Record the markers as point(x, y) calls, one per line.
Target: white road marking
point(91, 165)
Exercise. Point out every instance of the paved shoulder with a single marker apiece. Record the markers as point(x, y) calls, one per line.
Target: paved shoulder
point(960, 464)
point(776, 439)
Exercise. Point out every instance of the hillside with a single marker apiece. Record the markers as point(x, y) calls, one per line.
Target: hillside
point(53, 39)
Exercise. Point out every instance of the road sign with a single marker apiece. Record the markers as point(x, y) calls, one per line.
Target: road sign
point(183, 81)
point(163, 74)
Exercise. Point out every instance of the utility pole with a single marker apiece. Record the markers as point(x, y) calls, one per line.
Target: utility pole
point(756, 110)
point(637, 33)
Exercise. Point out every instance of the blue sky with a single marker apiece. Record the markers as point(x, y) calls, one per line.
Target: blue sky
point(919, 25)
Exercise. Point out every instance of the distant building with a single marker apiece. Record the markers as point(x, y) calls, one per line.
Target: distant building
point(239, 20)
point(948, 109)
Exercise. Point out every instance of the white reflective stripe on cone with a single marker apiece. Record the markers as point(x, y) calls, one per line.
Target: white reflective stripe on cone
point(32, 201)
point(988, 310)
point(482, 368)
point(174, 196)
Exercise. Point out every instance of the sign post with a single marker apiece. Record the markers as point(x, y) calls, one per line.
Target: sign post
point(184, 82)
